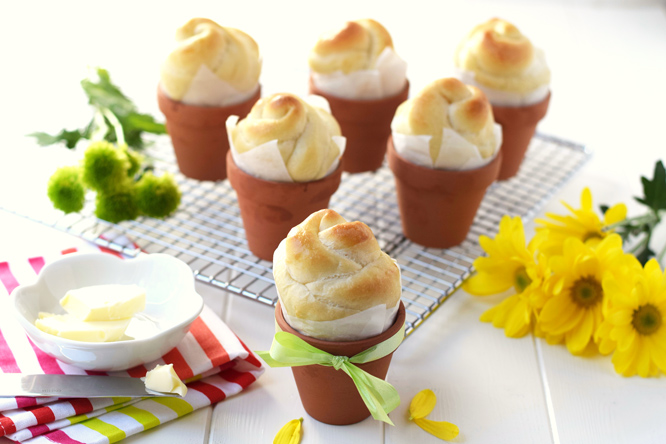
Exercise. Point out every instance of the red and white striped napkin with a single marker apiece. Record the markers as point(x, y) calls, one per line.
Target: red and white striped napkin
point(211, 359)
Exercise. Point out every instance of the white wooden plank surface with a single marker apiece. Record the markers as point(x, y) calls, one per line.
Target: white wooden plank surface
point(485, 383)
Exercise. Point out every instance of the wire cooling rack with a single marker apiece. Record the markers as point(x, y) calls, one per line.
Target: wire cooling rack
point(207, 231)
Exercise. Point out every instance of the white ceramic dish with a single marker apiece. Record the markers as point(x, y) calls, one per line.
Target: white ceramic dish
point(171, 301)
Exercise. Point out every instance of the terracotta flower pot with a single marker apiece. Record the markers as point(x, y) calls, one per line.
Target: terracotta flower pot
point(367, 126)
point(518, 126)
point(437, 207)
point(270, 209)
point(329, 395)
point(199, 134)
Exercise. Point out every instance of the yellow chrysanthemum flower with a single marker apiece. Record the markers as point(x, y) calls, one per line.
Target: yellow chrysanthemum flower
point(510, 263)
point(517, 313)
point(583, 224)
point(634, 325)
point(574, 309)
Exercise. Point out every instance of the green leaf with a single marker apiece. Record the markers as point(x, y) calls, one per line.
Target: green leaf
point(116, 116)
point(603, 208)
point(69, 138)
point(146, 122)
point(654, 191)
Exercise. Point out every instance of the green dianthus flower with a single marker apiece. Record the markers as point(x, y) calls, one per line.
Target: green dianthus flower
point(117, 205)
point(66, 190)
point(157, 196)
point(135, 160)
point(105, 168)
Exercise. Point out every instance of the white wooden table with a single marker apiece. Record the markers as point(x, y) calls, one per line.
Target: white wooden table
point(609, 75)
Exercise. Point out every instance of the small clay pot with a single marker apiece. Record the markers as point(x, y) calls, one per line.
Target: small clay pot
point(270, 209)
point(329, 395)
point(199, 134)
point(367, 126)
point(437, 207)
point(518, 126)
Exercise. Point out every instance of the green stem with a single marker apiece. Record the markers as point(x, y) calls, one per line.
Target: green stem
point(662, 253)
point(117, 127)
point(100, 127)
point(648, 218)
point(642, 244)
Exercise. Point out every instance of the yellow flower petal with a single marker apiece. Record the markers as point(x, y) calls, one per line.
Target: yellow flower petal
point(556, 308)
point(659, 355)
point(644, 359)
point(615, 214)
point(519, 321)
point(290, 433)
point(484, 284)
point(578, 338)
point(567, 321)
point(586, 199)
point(422, 404)
point(441, 429)
point(621, 317)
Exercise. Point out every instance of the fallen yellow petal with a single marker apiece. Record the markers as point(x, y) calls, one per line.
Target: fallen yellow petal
point(290, 433)
point(441, 429)
point(422, 404)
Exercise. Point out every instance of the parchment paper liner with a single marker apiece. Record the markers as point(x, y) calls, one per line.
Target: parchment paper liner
point(385, 80)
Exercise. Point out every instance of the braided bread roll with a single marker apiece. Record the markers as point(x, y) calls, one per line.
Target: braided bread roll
point(449, 103)
point(353, 47)
point(230, 54)
point(328, 269)
point(497, 56)
point(303, 132)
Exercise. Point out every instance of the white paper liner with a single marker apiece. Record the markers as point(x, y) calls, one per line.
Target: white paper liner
point(509, 98)
point(385, 80)
point(455, 152)
point(207, 89)
point(265, 161)
point(362, 325)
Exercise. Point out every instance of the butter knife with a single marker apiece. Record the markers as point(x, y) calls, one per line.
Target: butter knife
point(74, 386)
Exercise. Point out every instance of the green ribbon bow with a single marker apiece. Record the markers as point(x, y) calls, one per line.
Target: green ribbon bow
point(288, 350)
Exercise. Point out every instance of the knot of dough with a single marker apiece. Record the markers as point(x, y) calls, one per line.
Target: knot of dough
point(353, 47)
point(304, 134)
point(449, 103)
point(328, 268)
point(229, 53)
point(502, 58)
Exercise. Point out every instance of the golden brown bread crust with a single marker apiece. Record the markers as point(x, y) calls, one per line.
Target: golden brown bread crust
point(328, 269)
point(501, 57)
point(229, 53)
point(448, 103)
point(304, 134)
point(353, 47)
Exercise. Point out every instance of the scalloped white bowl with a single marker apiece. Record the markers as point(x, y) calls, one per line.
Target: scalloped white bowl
point(171, 300)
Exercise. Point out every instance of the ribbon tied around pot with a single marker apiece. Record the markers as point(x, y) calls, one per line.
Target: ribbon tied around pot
point(380, 397)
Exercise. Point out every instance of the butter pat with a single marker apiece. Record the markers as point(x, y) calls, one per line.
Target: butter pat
point(163, 378)
point(69, 327)
point(104, 302)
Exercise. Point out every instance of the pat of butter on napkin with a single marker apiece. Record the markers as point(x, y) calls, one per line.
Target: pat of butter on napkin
point(163, 378)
